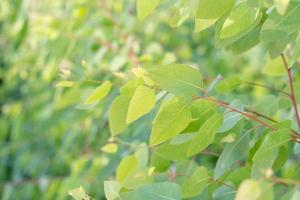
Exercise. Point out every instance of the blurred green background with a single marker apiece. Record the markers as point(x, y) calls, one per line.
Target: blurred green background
point(49, 141)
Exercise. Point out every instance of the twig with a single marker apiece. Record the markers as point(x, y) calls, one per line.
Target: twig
point(292, 91)
point(267, 87)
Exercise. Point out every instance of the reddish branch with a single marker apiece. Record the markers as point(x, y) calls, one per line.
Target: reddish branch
point(292, 91)
point(248, 115)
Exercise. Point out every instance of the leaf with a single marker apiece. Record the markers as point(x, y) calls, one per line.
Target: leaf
point(170, 121)
point(202, 24)
point(110, 148)
point(142, 102)
point(173, 152)
point(241, 19)
point(296, 52)
point(232, 152)
point(246, 42)
point(196, 183)
point(126, 168)
point(206, 134)
point(79, 194)
point(155, 191)
point(178, 79)
point(281, 6)
point(117, 114)
point(224, 42)
point(111, 190)
point(274, 67)
point(65, 84)
point(145, 7)
point(99, 93)
point(208, 9)
point(277, 26)
point(248, 190)
point(228, 84)
point(267, 153)
point(231, 118)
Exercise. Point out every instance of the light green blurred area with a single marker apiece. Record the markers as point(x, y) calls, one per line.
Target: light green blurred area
point(49, 141)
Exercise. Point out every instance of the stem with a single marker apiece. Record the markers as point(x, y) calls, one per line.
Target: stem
point(292, 91)
point(248, 115)
point(267, 87)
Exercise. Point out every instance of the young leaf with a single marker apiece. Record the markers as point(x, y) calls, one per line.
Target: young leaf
point(145, 7)
point(208, 9)
point(241, 19)
point(110, 148)
point(99, 93)
point(142, 101)
point(178, 79)
point(111, 190)
point(231, 118)
point(249, 190)
point(206, 134)
point(196, 183)
point(117, 114)
point(126, 168)
point(170, 121)
point(79, 194)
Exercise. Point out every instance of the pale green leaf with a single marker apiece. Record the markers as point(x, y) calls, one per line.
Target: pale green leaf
point(142, 102)
point(208, 9)
point(112, 190)
point(232, 152)
point(274, 67)
point(65, 84)
point(117, 114)
point(202, 24)
point(110, 148)
point(179, 79)
point(99, 93)
point(249, 190)
point(228, 84)
point(281, 6)
point(241, 19)
point(196, 183)
point(145, 7)
point(206, 134)
point(170, 121)
point(155, 191)
point(126, 168)
point(79, 194)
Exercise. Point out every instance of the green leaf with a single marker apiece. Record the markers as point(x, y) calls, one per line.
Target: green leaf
point(145, 7)
point(267, 153)
point(173, 151)
point(231, 118)
point(249, 190)
point(281, 6)
point(228, 84)
point(274, 67)
point(112, 190)
point(142, 102)
point(232, 152)
point(206, 134)
point(79, 194)
point(196, 183)
point(202, 24)
point(117, 114)
point(170, 121)
point(155, 191)
point(277, 26)
point(241, 19)
point(110, 148)
point(65, 84)
point(296, 52)
point(179, 79)
point(99, 93)
point(126, 168)
point(208, 9)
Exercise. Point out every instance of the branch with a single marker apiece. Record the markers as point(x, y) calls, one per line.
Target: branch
point(267, 87)
point(292, 91)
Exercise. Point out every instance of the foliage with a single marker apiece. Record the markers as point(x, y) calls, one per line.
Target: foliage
point(123, 98)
